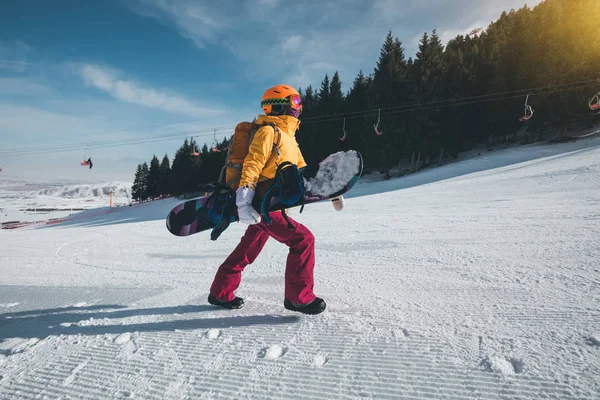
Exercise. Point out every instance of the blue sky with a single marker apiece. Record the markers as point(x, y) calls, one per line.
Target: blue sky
point(75, 72)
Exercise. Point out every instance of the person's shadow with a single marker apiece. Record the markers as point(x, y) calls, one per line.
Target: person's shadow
point(83, 321)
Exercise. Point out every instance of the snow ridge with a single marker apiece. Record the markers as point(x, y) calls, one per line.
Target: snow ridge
point(100, 190)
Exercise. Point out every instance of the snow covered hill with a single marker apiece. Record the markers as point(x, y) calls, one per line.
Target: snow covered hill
point(477, 280)
point(101, 190)
point(27, 202)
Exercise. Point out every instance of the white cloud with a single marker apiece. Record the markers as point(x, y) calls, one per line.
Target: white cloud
point(13, 66)
point(301, 41)
point(28, 124)
point(23, 87)
point(194, 20)
point(108, 80)
point(14, 55)
point(291, 44)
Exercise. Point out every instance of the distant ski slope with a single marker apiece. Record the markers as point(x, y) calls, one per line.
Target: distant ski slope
point(100, 190)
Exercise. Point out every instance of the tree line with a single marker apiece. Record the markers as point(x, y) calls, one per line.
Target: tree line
point(445, 100)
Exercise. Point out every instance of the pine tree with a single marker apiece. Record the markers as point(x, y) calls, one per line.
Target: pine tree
point(309, 102)
point(137, 187)
point(164, 186)
point(336, 97)
point(324, 94)
point(390, 73)
point(179, 169)
point(144, 182)
point(389, 90)
point(154, 178)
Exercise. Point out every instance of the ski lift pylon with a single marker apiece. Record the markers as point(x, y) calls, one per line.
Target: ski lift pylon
point(528, 111)
point(343, 130)
point(376, 126)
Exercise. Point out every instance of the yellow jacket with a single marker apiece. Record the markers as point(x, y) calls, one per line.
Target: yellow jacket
point(262, 160)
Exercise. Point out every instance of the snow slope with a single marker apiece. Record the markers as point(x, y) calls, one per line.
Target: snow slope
point(447, 284)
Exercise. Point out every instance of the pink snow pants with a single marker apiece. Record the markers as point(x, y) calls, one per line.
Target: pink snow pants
point(300, 265)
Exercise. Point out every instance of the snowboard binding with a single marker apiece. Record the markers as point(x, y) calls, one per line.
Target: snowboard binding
point(288, 188)
point(218, 209)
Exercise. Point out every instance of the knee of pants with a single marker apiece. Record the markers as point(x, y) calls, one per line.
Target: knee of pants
point(303, 237)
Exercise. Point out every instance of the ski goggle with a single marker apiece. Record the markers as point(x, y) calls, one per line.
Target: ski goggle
point(293, 101)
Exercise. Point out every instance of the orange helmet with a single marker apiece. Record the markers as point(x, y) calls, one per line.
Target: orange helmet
point(281, 95)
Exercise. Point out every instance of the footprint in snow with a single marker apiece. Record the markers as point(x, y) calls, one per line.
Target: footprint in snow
point(213, 334)
point(123, 338)
point(320, 360)
point(272, 352)
point(594, 340)
point(503, 365)
point(125, 394)
point(17, 345)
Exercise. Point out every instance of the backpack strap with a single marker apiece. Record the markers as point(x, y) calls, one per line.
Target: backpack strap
point(287, 219)
point(276, 141)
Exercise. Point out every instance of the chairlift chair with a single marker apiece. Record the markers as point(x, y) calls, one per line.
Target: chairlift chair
point(528, 111)
point(86, 161)
point(375, 126)
point(595, 103)
point(343, 130)
point(215, 144)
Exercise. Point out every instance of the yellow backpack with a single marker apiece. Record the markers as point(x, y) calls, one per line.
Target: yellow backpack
point(238, 150)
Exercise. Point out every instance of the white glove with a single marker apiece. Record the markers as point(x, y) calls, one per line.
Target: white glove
point(338, 203)
point(243, 201)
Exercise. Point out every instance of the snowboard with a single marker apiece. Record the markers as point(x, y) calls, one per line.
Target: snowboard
point(336, 175)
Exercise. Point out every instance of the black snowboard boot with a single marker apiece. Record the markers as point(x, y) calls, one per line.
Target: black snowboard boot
point(237, 302)
point(317, 306)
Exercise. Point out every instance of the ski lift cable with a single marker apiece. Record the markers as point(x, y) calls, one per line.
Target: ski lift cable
point(541, 89)
point(328, 118)
point(168, 135)
point(320, 119)
point(106, 143)
point(391, 111)
point(411, 107)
